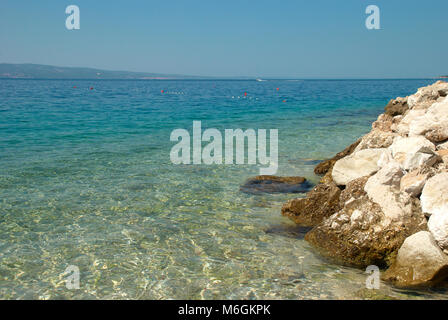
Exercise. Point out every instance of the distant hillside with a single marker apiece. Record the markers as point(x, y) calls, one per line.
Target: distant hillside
point(38, 71)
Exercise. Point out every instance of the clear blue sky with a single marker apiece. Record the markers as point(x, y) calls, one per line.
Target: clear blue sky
point(297, 38)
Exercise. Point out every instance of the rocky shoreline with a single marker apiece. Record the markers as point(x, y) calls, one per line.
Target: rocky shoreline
point(384, 199)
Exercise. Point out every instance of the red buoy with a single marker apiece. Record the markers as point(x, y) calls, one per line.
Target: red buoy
point(91, 88)
point(162, 91)
point(245, 94)
point(278, 89)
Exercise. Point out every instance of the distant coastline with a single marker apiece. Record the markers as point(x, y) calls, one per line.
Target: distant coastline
point(38, 71)
point(33, 71)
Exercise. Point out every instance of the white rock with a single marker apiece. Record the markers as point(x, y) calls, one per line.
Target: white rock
point(389, 175)
point(413, 183)
point(442, 146)
point(438, 226)
point(433, 124)
point(383, 189)
point(359, 164)
point(403, 127)
point(411, 145)
point(427, 95)
point(413, 152)
point(376, 139)
point(434, 198)
point(419, 262)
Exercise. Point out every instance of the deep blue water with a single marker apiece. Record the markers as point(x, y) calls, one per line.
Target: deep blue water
point(86, 180)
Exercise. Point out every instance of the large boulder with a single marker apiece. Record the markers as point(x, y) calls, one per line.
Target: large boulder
point(403, 126)
point(419, 262)
point(414, 152)
point(326, 165)
point(433, 124)
point(413, 182)
point(364, 232)
point(426, 96)
point(376, 139)
point(359, 164)
point(434, 196)
point(321, 202)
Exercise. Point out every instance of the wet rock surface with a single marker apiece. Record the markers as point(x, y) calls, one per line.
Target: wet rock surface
point(320, 203)
point(276, 184)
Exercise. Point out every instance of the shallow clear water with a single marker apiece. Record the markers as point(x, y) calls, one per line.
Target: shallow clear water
point(86, 180)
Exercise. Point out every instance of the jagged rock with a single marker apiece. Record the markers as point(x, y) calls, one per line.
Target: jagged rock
point(419, 262)
point(413, 152)
point(395, 122)
point(426, 96)
point(383, 123)
point(404, 156)
point(383, 189)
point(443, 154)
point(389, 175)
point(442, 146)
point(275, 184)
point(434, 196)
point(361, 234)
point(376, 139)
point(326, 165)
point(437, 134)
point(413, 182)
point(320, 203)
point(410, 116)
point(359, 164)
point(438, 226)
point(354, 190)
point(396, 107)
point(364, 232)
point(433, 124)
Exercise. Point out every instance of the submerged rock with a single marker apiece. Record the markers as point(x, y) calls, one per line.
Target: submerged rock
point(419, 262)
point(321, 202)
point(276, 184)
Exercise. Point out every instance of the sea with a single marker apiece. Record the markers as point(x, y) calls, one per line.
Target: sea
point(92, 207)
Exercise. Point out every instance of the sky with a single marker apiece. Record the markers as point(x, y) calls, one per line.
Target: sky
point(228, 38)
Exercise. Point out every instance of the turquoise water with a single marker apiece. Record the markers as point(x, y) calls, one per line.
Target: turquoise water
point(86, 180)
